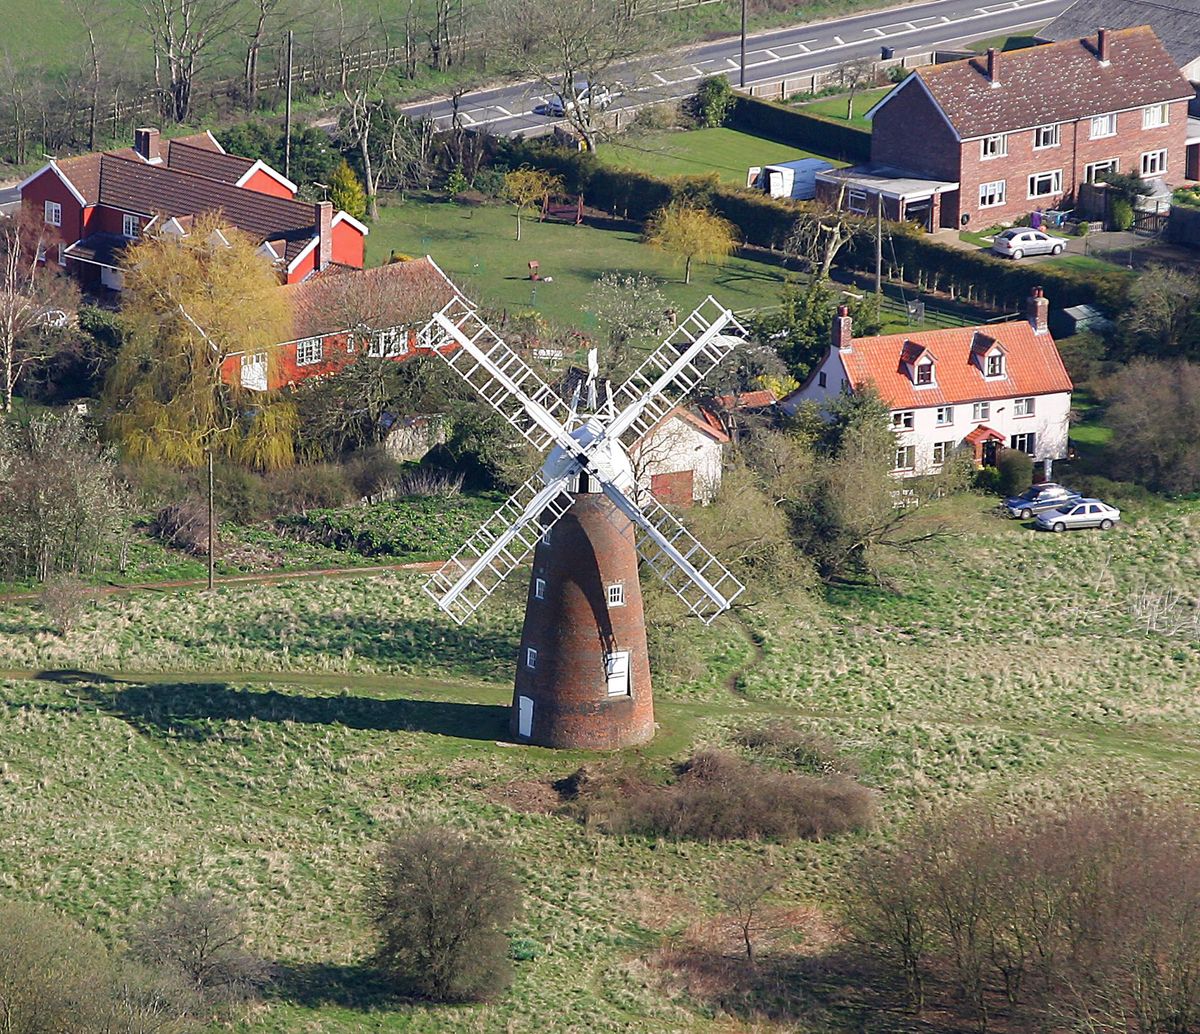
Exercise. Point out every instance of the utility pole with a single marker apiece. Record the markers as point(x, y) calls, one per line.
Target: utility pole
point(212, 528)
point(878, 245)
point(742, 77)
point(287, 121)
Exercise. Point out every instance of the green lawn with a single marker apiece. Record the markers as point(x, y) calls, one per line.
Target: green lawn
point(677, 153)
point(835, 107)
point(476, 246)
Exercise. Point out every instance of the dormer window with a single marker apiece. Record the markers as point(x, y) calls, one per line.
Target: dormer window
point(993, 364)
point(924, 374)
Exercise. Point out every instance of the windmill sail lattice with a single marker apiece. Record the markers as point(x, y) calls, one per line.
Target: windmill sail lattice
point(529, 405)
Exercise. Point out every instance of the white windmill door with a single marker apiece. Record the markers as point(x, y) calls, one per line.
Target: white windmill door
point(525, 716)
point(616, 666)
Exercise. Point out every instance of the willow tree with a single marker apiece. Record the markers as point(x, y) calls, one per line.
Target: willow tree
point(688, 232)
point(191, 306)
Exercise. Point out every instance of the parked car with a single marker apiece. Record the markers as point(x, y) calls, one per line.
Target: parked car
point(1036, 498)
point(1021, 241)
point(1087, 513)
point(590, 96)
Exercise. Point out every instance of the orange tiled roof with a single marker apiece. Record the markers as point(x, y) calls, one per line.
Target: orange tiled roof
point(1032, 364)
point(759, 399)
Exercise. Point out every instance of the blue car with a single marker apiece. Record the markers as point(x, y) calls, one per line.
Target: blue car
point(1038, 498)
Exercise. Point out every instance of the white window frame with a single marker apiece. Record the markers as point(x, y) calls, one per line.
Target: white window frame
point(1156, 115)
point(1056, 183)
point(1053, 131)
point(62, 255)
point(1102, 126)
point(131, 226)
point(995, 146)
point(998, 359)
point(310, 351)
point(1028, 440)
point(943, 416)
point(856, 200)
point(530, 658)
point(993, 194)
point(1107, 165)
point(256, 363)
point(618, 674)
point(905, 457)
point(1023, 407)
point(942, 452)
point(389, 343)
point(53, 213)
point(981, 411)
point(539, 588)
point(924, 367)
point(615, 594)
point(1157, 166)
point(902, 420)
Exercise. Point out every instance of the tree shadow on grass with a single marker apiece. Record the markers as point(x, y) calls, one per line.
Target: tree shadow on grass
point(194, 710)
point(317, 984)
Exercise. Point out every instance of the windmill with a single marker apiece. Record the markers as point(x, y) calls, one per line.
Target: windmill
point(583, 673)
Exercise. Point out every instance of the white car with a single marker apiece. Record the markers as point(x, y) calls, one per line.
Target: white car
point(1087, 513)
point(1020, 241)
point(560, 104)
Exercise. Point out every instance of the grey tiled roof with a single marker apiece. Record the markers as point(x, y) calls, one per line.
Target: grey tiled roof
point(206, 161)
point(1175, 22)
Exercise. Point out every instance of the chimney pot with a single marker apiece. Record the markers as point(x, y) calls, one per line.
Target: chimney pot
point(145, 142)
point(993, 66)
point(325, 233)
point(1102, 44)
point(843, 329)
point(1038, 311)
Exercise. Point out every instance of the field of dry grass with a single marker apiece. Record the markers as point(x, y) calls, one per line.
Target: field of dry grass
point(262, 742)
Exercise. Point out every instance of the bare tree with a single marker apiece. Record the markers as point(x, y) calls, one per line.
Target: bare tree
point(182, 31)
point(91, 14)
point(744, 893)
point(853, 76)
point(264, 10)
point(64, 598)
point(819, 235)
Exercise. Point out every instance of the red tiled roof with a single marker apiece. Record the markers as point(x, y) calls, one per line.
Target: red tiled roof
point(185, 156)
point(1056, 82)
point(157, 190)
point(983, 433)
point(1032, 366)
point(397, 294)
point(204, 140)
point(747, 400)
point(84, 173)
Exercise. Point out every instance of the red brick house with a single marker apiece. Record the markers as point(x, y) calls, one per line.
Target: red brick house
point(342, 312)
point(101, 201)
point(984, 140)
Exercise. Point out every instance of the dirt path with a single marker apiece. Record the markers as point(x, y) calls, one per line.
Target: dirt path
point(260, 578)
point(757, 653)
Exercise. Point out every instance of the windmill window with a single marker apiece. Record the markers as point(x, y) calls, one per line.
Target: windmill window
point(539, 588)
point(530, 657)
point(616, 595)
point(821, 379)
point(616, 671)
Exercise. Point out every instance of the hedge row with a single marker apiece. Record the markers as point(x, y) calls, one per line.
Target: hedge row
point(800, 129)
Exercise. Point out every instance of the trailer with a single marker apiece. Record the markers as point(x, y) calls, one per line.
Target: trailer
point(796, 179)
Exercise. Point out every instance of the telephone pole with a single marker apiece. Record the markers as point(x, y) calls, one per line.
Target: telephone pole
point(287, 118)
point(878, 245)
point(742, 76)
point(212, 528)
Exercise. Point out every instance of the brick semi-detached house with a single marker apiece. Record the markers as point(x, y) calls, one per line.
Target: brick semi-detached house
point(982, 141)
point(100, 202)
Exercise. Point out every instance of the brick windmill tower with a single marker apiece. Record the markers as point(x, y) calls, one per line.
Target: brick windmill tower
point(583, 675)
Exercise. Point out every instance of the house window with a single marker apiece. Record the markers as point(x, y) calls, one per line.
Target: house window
point(945, 415)
point(1104, 125)
point(991, 194)
point(902, 420)
point(1094, 172)
point(925, 373)
point(309, 351)
point(616, 671)
point(1154, 163)
point(1043, 184)
point(856, 200)
point(390, 342)
point(530, 657)
point(254, 371)
point(981, 411)
point(993, 146)
point(1046, 136)
point(1023, 407)
point(62, 254)
point(54, 213)
point(131, 226)
point(1023, 442)
point(539, 588)
point(905, 457)
point(994, 366)
point(821, 379)
point(616, 595)
point(942, 452)
point(1156, 115)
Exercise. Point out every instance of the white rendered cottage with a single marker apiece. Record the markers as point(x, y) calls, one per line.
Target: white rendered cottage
point(1002, 385)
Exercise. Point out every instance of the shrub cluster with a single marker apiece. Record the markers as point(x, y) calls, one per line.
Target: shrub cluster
point(808, 751)
point(717, 796)
point(1083, 918)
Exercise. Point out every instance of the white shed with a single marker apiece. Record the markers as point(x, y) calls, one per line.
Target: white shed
point(796, 179)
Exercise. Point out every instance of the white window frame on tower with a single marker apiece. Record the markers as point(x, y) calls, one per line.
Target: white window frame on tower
point(530, 658)
point(617, 673)
point(616, 594)
point(539, 588)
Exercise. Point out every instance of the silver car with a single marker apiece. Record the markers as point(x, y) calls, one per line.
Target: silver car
point(1020, 241)
point(1086, 513)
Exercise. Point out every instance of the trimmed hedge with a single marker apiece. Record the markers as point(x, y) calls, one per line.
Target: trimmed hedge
point(800, 129)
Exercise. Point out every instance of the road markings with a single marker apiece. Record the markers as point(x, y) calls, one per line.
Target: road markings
point(839, 41)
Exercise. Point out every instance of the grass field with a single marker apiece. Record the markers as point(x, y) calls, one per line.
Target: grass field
point(263, 741)
point(727, 152)
point(835, 107)
point(476, 246)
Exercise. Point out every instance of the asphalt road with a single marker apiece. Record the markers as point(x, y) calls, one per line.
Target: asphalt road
point(770, 56)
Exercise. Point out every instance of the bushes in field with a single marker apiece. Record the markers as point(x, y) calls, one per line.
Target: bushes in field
point(1015, 472)
point(1081, 919)
point(718, 796)
point(440, 903)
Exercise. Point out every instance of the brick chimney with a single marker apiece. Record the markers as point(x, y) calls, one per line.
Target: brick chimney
point(145, 142)
point(1037, 311)
point(325, 230)
point(842, 336)
point(1102, 43)
point(993, 66)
